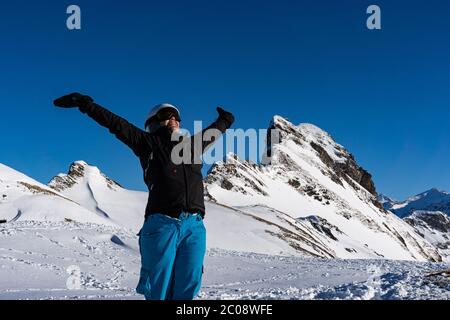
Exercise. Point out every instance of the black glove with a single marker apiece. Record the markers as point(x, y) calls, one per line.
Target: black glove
point(225, 115)
point(73, 100)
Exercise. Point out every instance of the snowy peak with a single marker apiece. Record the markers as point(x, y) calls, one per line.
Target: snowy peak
point(386, 201)
point(96, 192)
point(431, 200)
point(317, 182)
point(84, 194)
point(308, 140)
point(25, 199)
point(307, 133)
point(429, 213)
point(431, 195)
point(80, 171)
point(297, 145)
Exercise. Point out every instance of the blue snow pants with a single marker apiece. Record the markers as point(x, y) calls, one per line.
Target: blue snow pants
point(172, 253)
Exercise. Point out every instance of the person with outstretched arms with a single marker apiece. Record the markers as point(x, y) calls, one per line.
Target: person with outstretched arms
point(172, 240)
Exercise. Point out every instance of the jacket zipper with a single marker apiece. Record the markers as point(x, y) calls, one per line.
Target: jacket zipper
point(185, 187)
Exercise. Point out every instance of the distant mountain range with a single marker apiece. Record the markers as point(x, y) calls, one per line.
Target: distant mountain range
point(431, 200)
point(428, 212)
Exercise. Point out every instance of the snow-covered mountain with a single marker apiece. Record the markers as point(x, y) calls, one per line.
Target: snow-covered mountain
point(310, 199)
point(318, 183)
point(431, 200)
point(87, 195)
point(386, 202)
point(23, 198)
point(91, 188)
point(428, 212)
point(434, 226)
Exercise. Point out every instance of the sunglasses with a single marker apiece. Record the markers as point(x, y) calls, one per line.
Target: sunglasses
point(167, 114)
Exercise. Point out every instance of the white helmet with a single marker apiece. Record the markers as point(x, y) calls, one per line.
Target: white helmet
point(155, 110)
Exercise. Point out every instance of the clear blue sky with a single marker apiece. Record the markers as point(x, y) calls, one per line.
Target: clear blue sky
point(383, 94)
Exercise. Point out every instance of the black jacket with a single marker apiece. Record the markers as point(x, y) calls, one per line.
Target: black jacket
point(172, 188)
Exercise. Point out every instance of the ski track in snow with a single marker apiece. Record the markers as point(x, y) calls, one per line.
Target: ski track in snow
point(37, 269)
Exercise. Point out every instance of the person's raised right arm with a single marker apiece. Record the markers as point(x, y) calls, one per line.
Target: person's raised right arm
point(126, 132)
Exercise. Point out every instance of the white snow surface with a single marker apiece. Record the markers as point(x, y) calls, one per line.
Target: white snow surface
point(35, 257)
